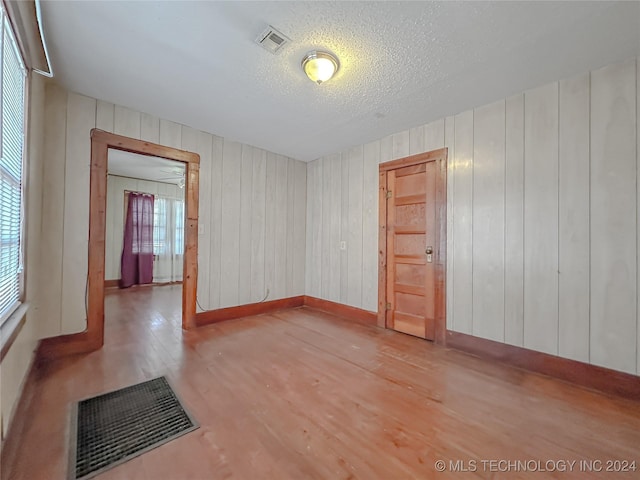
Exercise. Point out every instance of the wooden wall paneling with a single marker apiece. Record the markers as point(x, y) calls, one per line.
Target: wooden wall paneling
point(230, 224)
point(215, 224)
point(143, 186)
point(258, 196)
point(280, 218)
point(299, 228)
point(613, 217)
point(33, 169)
point(177, 191)
point(541, 219)
point(246, 194)
point(32, 247)
point(434, 135)
point(53, 207)
point(449, 142)
point(150, 128)
point(270, 225)
point(462, 228)
point(386, 149)
point(335, 224)
point(514, 183)
point(81, 117)
point(315, 229)
point(189, 141)
point(159, 187)
point(170, 134)
point(355, 193)
point(371, 159)
point(204, 144)
point(400, 144)
point(162, 188)
point(325, 231)
point(488, 221)
point(290, 211)
point(514, 222)
point(105, 116)
point(126, 122)
point(344, 228)
point(573, 221)
point(416, 140)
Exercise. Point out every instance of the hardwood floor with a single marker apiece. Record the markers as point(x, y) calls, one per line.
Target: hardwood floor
point(301, 394)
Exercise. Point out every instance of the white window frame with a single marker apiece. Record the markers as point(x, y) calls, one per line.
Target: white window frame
point(6, 28)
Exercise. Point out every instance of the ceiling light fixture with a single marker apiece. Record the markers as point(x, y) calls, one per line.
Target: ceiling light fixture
point(320, 66)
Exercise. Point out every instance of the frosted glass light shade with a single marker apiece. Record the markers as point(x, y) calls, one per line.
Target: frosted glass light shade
point(319, 66)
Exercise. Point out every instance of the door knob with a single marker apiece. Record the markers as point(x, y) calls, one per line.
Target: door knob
point(429, 252)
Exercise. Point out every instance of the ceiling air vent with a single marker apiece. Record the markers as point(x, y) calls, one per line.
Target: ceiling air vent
point(272, 40)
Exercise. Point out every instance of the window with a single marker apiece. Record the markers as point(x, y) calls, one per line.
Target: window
point(168, 215)
point(179, 240)
point(12, 107)
point(159, 225)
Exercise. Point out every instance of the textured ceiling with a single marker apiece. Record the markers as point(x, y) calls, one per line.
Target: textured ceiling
point(144, 167)
point(402, 63)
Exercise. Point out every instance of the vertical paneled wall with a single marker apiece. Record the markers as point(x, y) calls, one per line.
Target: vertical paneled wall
point(488, 233)
point(116, 186)
point(543, 218)
point(252, 210)
point(15, 365)
point(614, 216)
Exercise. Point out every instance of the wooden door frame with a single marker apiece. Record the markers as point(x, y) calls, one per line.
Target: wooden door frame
point(439, 156)
point(93, 337)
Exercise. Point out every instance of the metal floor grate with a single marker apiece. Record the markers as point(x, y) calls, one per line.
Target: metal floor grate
point(117, 426)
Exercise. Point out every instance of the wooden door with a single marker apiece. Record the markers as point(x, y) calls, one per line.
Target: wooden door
point(411, 249)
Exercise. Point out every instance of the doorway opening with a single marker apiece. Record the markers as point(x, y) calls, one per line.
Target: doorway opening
point(101, 142)
point(412, 240)
point(144, 246)
point(145, 220)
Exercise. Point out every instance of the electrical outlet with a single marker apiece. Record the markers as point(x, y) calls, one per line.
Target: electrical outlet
point(343, 245)
point(200, 229)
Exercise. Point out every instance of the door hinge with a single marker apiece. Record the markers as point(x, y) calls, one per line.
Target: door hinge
point(387, 306)
point(389, 193)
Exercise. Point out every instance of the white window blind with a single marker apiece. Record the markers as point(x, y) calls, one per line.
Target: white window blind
point(179, 231)
point(168, 216)
point(159, 225)
point(12, 106)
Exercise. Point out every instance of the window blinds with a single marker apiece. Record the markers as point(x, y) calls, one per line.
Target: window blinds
point(12, 75)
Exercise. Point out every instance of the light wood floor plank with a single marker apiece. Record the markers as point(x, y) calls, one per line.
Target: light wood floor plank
point(301, 394)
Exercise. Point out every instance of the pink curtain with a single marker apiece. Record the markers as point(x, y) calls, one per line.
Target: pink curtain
point(137, 249)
